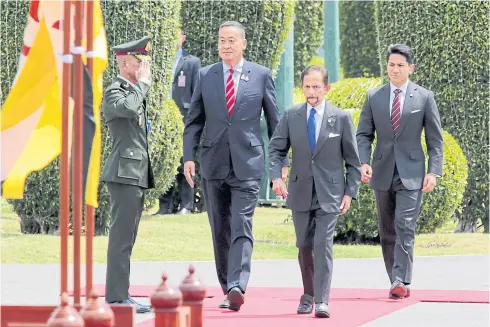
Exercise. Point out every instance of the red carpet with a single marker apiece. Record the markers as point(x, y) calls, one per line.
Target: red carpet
point(340, 294)
point(276, 307)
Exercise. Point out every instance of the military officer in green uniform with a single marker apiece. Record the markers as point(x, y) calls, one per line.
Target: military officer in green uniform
point(127, 171)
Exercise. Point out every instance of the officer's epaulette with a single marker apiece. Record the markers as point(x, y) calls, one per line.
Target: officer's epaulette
point(122, 83)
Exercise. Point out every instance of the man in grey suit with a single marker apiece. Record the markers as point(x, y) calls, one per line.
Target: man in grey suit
point(184, 76)
point(127, 171)
point(323, 142)
point(226, 105)
point(397, 113)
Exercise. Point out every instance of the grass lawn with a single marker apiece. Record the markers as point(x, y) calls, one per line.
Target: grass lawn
point(186, 238)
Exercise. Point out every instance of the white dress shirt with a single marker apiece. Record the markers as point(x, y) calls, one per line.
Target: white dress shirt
point(320, 110)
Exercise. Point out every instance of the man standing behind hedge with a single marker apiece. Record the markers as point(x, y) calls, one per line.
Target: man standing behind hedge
point(396, 113)
point(228, 100)
point(127, 171)
point(184, 76)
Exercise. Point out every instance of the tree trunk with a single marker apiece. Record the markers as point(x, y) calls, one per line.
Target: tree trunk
point(485, 225)
point(465, 226)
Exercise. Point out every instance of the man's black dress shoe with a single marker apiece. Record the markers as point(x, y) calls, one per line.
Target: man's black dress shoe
point(305, 304)
point(140, 308)
point(235, 296)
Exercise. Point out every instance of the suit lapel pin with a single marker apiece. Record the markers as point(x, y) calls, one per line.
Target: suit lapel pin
point(244, 78)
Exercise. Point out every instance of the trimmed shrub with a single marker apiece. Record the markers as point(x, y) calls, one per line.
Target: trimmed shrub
point(123, 21)
point(345, 94)
point(308, 34)
point(358, 47)
point(266, 23)
point(438, 206)
point(450, 41)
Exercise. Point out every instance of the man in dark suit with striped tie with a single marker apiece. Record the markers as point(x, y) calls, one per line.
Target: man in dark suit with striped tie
point(226, 105)
point(397, 113)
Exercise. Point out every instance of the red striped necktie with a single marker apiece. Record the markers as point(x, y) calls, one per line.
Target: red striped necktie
point(395, 111)
point(230, 92)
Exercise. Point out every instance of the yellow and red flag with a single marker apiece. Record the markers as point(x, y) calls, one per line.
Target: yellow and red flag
point(31, 115)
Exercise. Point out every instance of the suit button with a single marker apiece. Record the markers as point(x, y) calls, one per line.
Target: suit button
point(131, 154)
point(312, 161)
point(229, 124)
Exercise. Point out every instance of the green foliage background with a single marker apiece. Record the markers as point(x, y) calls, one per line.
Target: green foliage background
point(358, 47)
point(124, 21)
point(450, 41)
point(308, 34)
point(266, 24)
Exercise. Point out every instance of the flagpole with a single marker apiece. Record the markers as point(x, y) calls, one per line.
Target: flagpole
point(78, 148)
point(89, 210)
point(65, 148)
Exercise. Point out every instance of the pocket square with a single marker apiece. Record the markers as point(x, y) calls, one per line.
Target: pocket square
point(415, 111)
point(333, 135)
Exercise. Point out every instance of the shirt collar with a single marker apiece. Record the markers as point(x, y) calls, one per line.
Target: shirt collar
point(238, 67)
point(320, 109)
point(127, 80)
point(403, 88)
point(179, 53)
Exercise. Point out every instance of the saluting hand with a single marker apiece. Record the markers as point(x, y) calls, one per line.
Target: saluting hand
point(144, 72)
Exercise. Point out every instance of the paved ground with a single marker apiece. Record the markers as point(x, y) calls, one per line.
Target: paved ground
point(39, 284)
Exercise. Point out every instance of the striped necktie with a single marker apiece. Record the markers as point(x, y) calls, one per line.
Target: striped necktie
point(230, 93)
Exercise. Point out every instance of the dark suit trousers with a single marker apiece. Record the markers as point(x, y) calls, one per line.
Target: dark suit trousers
point(186, 192)
point(398, 209)
point(230, 206)
point(126, 208)
point(314, 239)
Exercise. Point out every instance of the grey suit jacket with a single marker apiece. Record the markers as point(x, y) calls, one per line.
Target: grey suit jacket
point(419, 112)
point(208, 114)
point(335, 150)
point(124, 110)
point(188, 66)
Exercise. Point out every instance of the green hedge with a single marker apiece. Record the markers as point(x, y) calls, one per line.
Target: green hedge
point(308, 34)
point(439, 206)
point(266, 22)
point(349, 93)
point(123, 21)
point(450, 41)
point(358, 47)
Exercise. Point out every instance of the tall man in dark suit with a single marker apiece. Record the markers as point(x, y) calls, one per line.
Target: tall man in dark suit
point(127, 171)
point(227, 104)
point(184, 76)
point(323, 141)
point(397, 113)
